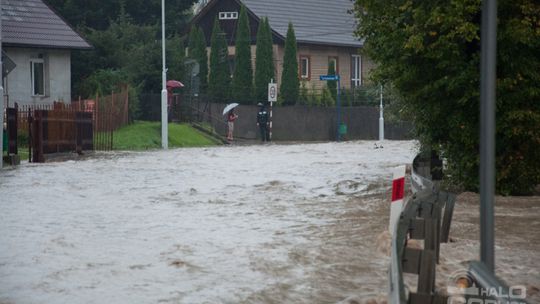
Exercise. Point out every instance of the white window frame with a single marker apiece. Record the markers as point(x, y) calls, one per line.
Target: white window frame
point(32, 75)
point(228, 15)
point(308, 74)
point(356, 70)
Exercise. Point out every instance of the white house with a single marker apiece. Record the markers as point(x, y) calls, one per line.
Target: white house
point(37, 46)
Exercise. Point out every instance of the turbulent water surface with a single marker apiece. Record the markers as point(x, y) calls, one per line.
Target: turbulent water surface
point(250, 224)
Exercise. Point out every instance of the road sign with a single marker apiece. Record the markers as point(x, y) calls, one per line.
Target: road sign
point(8, 64)
point(272, 92)
point(329, 77)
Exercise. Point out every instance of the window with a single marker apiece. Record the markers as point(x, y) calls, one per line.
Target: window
point(37, 68)
point(335, 60)
point(356, 70)
point(305, 72)
point(228, 15)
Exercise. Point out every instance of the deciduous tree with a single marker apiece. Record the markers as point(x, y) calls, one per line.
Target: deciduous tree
point(430, 52)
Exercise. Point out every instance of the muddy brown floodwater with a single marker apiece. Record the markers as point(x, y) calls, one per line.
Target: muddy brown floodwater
point(302, 223)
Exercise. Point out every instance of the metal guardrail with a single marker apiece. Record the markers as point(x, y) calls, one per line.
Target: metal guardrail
point(421, 219)
point(427, 216)
point(485, 287)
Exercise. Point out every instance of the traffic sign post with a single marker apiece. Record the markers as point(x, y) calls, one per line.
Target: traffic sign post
point(338, 107)
point(272, 97)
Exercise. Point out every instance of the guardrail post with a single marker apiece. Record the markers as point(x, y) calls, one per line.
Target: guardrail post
point(447, 217)
point(426, 277)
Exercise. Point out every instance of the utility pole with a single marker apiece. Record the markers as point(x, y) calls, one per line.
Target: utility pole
point(488, 67)
point(381, 117)
point(1, 95)
point(338, 107)
point(164, 116)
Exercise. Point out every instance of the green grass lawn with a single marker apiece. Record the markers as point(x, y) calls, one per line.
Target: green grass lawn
point(22, 151)
point(143, 135)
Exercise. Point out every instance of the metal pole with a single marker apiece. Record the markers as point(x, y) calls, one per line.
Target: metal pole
point(381, 118)
point(338, 108)
point(487, 132)
point(1, 95)
point(271, 108)
point(164, 118)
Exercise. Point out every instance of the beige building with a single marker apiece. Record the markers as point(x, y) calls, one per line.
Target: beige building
point(324, 33)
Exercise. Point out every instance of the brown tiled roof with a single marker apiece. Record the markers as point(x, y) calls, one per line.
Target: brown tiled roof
point(33, 23)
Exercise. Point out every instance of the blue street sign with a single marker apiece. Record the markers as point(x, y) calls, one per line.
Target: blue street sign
point(329, 77)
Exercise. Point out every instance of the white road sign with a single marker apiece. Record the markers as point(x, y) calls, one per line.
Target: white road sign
point(272, 92)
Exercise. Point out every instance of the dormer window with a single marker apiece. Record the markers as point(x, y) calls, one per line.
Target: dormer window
point(228, 15)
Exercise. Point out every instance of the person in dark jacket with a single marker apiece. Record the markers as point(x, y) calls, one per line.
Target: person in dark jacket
point(262, 122)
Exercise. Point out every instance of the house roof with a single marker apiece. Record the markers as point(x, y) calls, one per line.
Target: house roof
point(33, 23)
point(314, 21)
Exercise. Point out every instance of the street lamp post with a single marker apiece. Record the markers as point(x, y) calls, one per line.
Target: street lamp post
point(488, 85)
point(164, 118)
point(1, 95)
point(381, 118)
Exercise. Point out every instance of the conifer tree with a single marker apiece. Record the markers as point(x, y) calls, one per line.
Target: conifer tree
point(290, 84)
point(264, 65)
point(202, 59)
point(242, 83)
point(332, 84)
point(219, 78)
point(193, 37)
point(197, 51)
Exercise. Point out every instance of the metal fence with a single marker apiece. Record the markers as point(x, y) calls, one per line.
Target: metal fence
point(57, 131)
point(82, 125)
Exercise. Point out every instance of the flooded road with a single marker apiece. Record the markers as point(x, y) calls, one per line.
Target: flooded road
point(249, 224)
point(517, 241)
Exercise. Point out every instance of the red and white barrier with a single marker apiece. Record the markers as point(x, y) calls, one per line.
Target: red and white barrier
point(398, 191)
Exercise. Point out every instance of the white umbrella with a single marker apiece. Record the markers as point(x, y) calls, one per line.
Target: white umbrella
point(229, 107)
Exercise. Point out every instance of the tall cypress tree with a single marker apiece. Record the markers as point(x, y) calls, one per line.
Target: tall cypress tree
point(192, 43)
point(219, 78)
point(264, 64)
point(242, 83)
point(197, 51)
point(332, 84)
point(202, 58)
point(290, 84)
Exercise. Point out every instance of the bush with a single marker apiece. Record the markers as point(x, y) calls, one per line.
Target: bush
point(303, 98)
point(327, 99)
point(22, 138)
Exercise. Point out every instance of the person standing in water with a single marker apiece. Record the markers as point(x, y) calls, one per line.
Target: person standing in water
point(231, 117)
point(262, 122)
